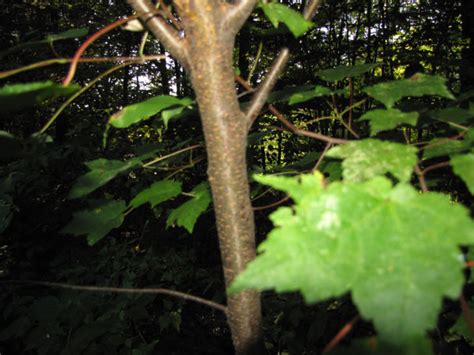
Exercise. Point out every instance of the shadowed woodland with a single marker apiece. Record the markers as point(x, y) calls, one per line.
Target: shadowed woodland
point(249, 177)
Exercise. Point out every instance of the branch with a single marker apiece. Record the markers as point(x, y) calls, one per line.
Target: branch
point(83, 47)
point(467, 313)
point(239, 13)
point(421, 178)
point(160, 29)
point(311, 8)
point(341, 334)
point(266, 87)
point(153, 291)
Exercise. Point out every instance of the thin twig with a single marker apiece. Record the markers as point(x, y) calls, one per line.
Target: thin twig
point(311, 8)
point(436, 166)
point(260, 97)
point(88, 42)
point(170, 15)
point(274, 204)
point(292, 128)
point(467, 313)
point(77, 94)
point(156, 160)
point(53, 61)
point(341, 334)
point(161, 29)
point(301, 132)
point(421, 179)
point(154, 291)
point(321, 157)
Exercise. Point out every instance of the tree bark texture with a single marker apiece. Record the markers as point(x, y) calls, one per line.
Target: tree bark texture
point(225, 130)
point(206, 52)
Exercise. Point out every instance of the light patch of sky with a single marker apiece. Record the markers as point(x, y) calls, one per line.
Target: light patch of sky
point(145, 81)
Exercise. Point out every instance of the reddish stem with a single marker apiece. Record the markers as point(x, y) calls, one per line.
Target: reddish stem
point(467, 313)
point(341, 334)
point(274, 204)
point(469, 264)
point(88, 42)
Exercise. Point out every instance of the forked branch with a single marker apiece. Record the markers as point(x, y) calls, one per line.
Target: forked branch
point(238, 13)
point(162, 30)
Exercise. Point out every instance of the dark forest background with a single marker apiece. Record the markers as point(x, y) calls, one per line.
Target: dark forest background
point(37, 173)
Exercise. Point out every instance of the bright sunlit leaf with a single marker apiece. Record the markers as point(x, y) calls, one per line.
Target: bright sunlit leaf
point(368, 158)
point(463, 166)
point(144, 110)
point(396, 250)
point(418, 85)
point(279, 13)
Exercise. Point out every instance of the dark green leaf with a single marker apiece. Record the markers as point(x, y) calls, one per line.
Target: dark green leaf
point(285, 94)
point(87, 333)
point(304, 96)
point(383, 120)
point(144, 110)
point(19, 96)
point(187, 214)
point(45, 309)
point(368, 158)
point(159, 192)
point(7, 209)
point(440, 147)
point(10, 146)
point(97, 222)
point(279, 13)
point(101, 172)
point(418, 85)
point(344, 71)
point(453, 114)
point(72, 33)
point(395, 249)
point(16, 329)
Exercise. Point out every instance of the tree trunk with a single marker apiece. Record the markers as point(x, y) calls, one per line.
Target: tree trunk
point(225, 131)
point(205, 49)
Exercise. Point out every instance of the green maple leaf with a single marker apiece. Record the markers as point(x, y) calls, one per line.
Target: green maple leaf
point(418, 85)
point(382, 120)
point(295, 22)
point(396, 250)
point(187, 214)
point(98, 221)
point(158, 192)
point(463, 166)
point(101, 172)
point(368, 158)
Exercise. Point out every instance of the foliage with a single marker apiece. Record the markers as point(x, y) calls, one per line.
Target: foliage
point(187, 214)
point(277, 13)
point(23, 95)
point(363, 238)
point(395, 250)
